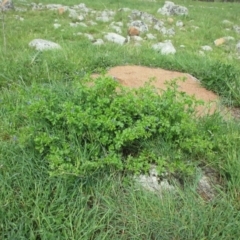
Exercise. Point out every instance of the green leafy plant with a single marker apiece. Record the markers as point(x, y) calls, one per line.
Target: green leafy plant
point(97, 123)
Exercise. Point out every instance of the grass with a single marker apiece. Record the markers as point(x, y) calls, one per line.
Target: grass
point(106, 203)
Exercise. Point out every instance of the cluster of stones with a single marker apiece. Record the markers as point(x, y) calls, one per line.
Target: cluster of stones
point(6, 5)
point(159, 184)
point(139, 24)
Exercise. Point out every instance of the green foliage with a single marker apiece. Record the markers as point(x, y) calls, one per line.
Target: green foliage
point(82, 126)
point(223, 79)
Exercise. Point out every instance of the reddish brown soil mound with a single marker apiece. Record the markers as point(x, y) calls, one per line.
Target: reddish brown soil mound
point(136, 76)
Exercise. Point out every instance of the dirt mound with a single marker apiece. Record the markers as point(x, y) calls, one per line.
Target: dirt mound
point(136, 76)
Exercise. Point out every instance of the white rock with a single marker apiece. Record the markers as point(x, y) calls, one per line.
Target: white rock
point(119, 24)
point(86, 10)
point(227, 22)
point(116, 28)
point(179, 23)
point(165, 47)
point(107, 13)
point(238, 47)
point(73, 24)
point(236, 28)
point(41, 45)
point(137, 44)
point(140, 25)
point(206, 48)
point(89, 36)
point(93, 12)
point(167, 32)
point(158, 26)
point(73, 14)
point(150, 36)
point(92, 23)
point(98, 42)
point(53, 6)
point(151, 183)
point(37, 6)
point(170, 8)
point(56, 25)
point(135, 14)
point(80, 6)
point(19, 18)
point(148, 17)
point(124, 9)
point(111, 13)
point(82, 24)
point(195, 27)
point(229, 38)
point(6, 5)
point(116, 38)
point(20, 9)
point(80, 18)
point(78, 34)
point(205, 188)
point(103, 19)
point(167, 8)
point(137, 38)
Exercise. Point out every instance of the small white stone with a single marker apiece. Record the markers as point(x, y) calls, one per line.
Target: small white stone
point(158, 26)
point(179, 24)
point(167, 32)
point(78, 34)
point(82, 24)
point(80, 17)
point(89, 36)
point(98, 42)
point(139, 25)
point(120, 24)
point(238, 47)
point(124, 9)
point(150, 36)
point(195, 27)
point(226, 22)
point(92, 23)
point(137, 38)
point(73, 24)
point(116, 38)
point(73, 14)
point(41, 45)
point(116, 28)
point(236, 28)
point(206, 48)
point(229, 38)
point(137, 44)
point(56, 25)
point(165, 47)
point(103, 19)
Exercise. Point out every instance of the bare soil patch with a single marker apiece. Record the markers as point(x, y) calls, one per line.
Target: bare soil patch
point(137, 76)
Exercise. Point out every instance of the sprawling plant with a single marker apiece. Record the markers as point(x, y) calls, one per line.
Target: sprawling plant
point(90, 124)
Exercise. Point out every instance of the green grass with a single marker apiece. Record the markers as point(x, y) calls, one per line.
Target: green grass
point(105, 203)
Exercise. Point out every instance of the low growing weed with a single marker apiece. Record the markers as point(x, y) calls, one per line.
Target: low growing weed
point(83, 126)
